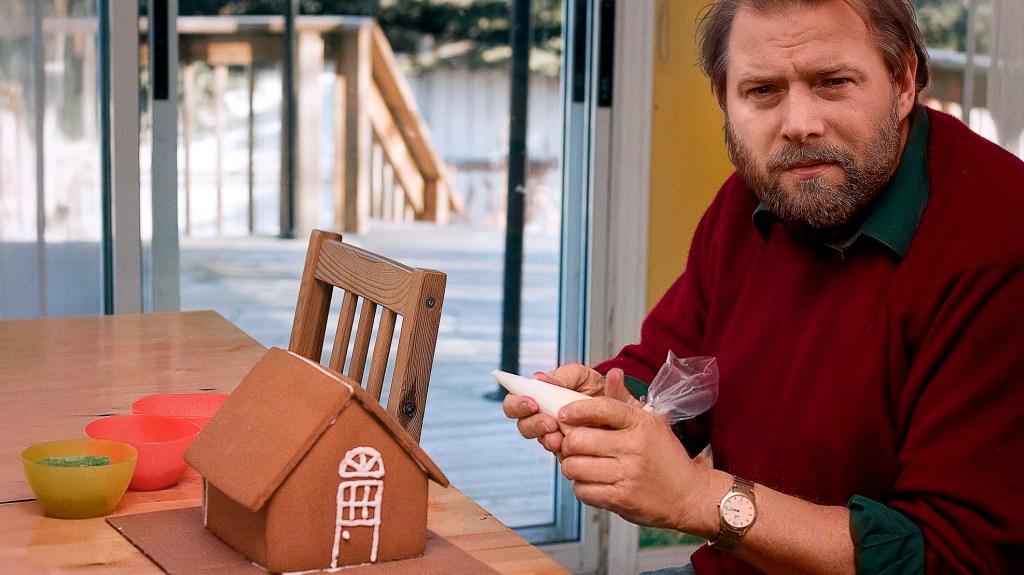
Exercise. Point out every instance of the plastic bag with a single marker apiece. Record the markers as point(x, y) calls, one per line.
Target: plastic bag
point(683, 388)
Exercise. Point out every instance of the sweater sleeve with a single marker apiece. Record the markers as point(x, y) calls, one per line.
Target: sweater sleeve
point(959, 414)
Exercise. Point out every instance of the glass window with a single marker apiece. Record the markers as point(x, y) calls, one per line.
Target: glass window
point(50, 168)
point(977, 55)
point(453, 58)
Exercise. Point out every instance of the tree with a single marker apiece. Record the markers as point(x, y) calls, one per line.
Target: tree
point(428, 32)
point(944, 24)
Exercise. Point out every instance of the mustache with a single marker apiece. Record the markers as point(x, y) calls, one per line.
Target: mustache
point(817, 153)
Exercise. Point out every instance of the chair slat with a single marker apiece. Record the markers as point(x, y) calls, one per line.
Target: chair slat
point(361, 345)
point(381, 351)
point(344, 332)
point(371, 281)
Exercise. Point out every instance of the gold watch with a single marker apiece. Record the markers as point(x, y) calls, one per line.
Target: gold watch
point(736, 512)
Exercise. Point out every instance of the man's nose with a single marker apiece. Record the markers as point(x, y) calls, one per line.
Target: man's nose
point(802, 119)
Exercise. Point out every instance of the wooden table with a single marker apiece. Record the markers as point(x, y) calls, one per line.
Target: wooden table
point(56, 375)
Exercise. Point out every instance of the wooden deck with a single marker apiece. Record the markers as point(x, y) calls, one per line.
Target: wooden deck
point(254, 282)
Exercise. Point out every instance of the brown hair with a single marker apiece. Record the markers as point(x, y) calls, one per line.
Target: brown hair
point(892, 22)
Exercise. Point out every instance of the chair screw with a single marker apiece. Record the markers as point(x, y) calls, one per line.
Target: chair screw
point(430, 302)
point(408, 409)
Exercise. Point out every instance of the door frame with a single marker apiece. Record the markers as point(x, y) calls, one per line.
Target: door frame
point(127, 289)
point(163, 60)
point(122, 206)
point(607, 153)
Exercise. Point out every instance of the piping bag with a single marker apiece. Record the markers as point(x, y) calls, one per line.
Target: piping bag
point(549, 397)
point(683, 388)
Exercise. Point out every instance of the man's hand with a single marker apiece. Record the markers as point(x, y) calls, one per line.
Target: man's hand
point(628, 461)
point(535, 425)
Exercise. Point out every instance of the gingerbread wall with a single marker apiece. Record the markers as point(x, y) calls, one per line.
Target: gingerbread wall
point(300, 529)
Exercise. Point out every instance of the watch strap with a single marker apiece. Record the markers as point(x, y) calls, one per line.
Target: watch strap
point(729, 537)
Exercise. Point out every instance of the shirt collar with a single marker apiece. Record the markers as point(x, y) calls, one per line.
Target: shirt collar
point(897, 211)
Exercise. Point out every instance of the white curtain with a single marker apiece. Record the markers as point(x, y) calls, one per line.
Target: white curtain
point(1006, 74)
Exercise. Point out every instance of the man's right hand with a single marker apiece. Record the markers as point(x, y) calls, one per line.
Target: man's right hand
point(535, 425)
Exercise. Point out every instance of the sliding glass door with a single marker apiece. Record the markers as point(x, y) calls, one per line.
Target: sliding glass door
point(51, 209)
point(247, 207)
point(249, 198)
point(72, 219)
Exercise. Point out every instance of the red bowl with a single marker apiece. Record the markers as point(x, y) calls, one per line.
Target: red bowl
point(195, 407)
point(161, 443)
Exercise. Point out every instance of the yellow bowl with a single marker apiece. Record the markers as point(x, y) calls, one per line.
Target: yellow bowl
point(79, 492)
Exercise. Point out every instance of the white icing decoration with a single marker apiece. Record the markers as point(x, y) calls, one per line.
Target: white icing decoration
point(360, 494)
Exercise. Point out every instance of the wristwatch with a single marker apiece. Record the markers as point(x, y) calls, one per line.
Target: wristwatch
point(736, 512)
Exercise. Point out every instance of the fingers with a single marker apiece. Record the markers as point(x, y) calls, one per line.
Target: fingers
point(610, 496)
point(541, 376)
point(600, 412)
point(518, 406)
point(546, 430)
point(593, 442)
point(531, 423)
point(537, 426)
point(574, 376)
point(553, 443)
point(591, 469)
point(615, 385)
point(600, 482)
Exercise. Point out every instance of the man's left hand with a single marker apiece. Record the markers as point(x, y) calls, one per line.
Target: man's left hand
point(628, 461)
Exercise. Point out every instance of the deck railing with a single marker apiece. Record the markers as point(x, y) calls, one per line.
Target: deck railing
point(384, 163)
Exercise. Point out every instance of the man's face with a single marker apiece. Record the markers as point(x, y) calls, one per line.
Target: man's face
point(814, 122)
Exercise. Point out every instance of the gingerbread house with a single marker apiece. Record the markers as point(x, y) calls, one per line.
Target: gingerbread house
point(303, 470)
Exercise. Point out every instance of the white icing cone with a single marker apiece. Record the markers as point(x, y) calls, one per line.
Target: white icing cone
point(549, 397)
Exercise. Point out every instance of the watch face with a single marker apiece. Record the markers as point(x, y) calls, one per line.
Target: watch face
point(738, 511)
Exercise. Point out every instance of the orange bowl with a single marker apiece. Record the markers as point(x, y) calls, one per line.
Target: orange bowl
point(195, 407)
point(161, 443)
point(79, 492)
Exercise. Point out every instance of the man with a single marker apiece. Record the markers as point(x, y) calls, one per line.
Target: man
point(867, 322)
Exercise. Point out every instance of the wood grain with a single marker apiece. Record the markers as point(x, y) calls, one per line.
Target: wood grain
point(32, 543)
point(58, 374)
point(377, 282)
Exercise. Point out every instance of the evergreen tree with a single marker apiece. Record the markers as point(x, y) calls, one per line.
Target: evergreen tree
point(431, 32)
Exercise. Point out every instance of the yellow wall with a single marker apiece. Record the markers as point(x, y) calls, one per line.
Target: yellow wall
point(688, 157)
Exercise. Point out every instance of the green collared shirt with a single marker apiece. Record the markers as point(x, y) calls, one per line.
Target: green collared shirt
point(897, 211)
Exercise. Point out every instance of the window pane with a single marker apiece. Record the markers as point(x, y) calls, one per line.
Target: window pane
point(455, 59)
point(50, 200)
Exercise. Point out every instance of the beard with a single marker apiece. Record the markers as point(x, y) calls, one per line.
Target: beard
point(814, 207)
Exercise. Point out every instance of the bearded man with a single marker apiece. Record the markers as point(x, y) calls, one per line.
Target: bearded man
point(860, 280)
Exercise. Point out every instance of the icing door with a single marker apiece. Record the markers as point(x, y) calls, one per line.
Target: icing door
point(357, 525)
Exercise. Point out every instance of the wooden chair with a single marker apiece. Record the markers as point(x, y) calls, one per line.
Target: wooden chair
point(415, 294)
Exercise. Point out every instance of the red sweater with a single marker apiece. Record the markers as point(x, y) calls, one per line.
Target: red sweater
point(863, 374)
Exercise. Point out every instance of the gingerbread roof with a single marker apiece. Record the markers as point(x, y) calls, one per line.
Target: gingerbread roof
point(269, 423)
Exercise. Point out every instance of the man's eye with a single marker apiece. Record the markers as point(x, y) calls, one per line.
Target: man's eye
point(760, 91)
point(835, 82)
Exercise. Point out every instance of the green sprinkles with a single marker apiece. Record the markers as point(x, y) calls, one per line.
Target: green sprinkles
point(76, 461)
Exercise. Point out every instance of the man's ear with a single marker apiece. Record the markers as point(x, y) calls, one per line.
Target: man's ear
point(906, 86)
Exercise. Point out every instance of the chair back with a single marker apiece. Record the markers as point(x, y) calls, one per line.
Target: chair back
point(372, 283)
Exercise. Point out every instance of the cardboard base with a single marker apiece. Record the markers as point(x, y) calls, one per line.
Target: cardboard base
point(179, 544)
